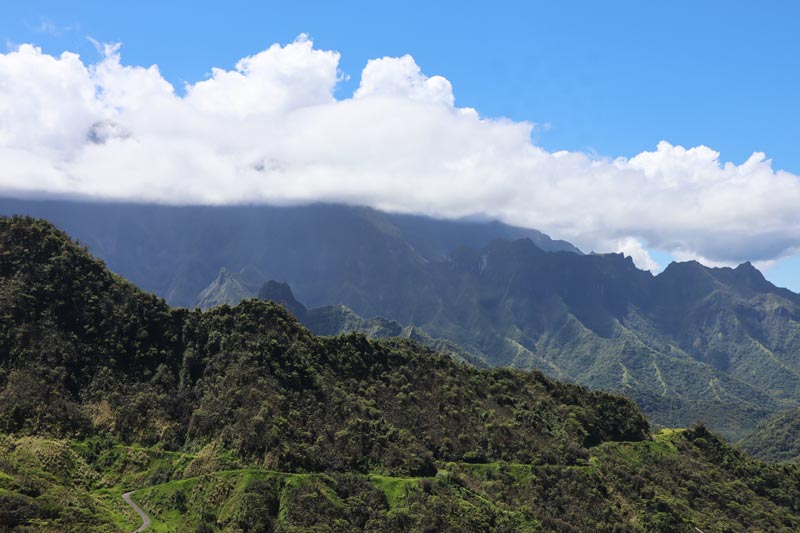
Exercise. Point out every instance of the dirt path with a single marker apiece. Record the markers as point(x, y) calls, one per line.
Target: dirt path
point(139, 511)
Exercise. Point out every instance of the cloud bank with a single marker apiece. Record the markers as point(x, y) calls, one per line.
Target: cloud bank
point(271, 131)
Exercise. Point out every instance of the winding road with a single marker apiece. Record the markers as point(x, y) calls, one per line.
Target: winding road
point(139, 511)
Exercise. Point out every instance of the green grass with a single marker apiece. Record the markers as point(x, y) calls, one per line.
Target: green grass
point(220, 493)
point(120, 514)
point(467, 494)
point(395, 488)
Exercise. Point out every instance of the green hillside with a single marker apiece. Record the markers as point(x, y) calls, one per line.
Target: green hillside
point(239, 419)
point(776, 439)
point(676, 482)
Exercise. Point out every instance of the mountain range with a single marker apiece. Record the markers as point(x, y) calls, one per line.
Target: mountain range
point(239, 419)
point(178, 251)
point(692, 343)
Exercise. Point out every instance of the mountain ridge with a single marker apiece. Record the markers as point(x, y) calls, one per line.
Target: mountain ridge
point(721, 345)
point(177, 251)
point(333, 320)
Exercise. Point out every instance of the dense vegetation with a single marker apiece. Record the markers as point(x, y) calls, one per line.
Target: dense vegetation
point(674, 483)
point(776, 439)
point(719, 345)
point(239, 419)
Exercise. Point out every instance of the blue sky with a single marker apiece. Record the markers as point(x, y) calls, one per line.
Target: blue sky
point(611, 78)
point(603, 79)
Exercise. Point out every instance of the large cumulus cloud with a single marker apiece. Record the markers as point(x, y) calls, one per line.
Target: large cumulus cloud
point(271, 130)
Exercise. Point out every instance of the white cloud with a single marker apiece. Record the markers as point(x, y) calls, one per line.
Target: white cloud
point(46, 103)
point(276, 80)
point(271, 130)
point(400, 77)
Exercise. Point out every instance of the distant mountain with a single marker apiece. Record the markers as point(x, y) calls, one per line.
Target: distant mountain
point(776, 439)
point(436, 238)
point(331, 320)
point(693, 342)
point(716, 344)
point(229, 288)
point(326, 250)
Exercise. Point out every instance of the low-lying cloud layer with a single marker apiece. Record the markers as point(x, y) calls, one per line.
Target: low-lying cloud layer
point(271, 131)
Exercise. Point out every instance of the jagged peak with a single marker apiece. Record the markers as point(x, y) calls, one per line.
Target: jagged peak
point(684, 266)
point(744, 279)
point(281, 293)
point(686, 270)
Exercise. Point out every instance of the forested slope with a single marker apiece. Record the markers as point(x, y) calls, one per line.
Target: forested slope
point(776, 439)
